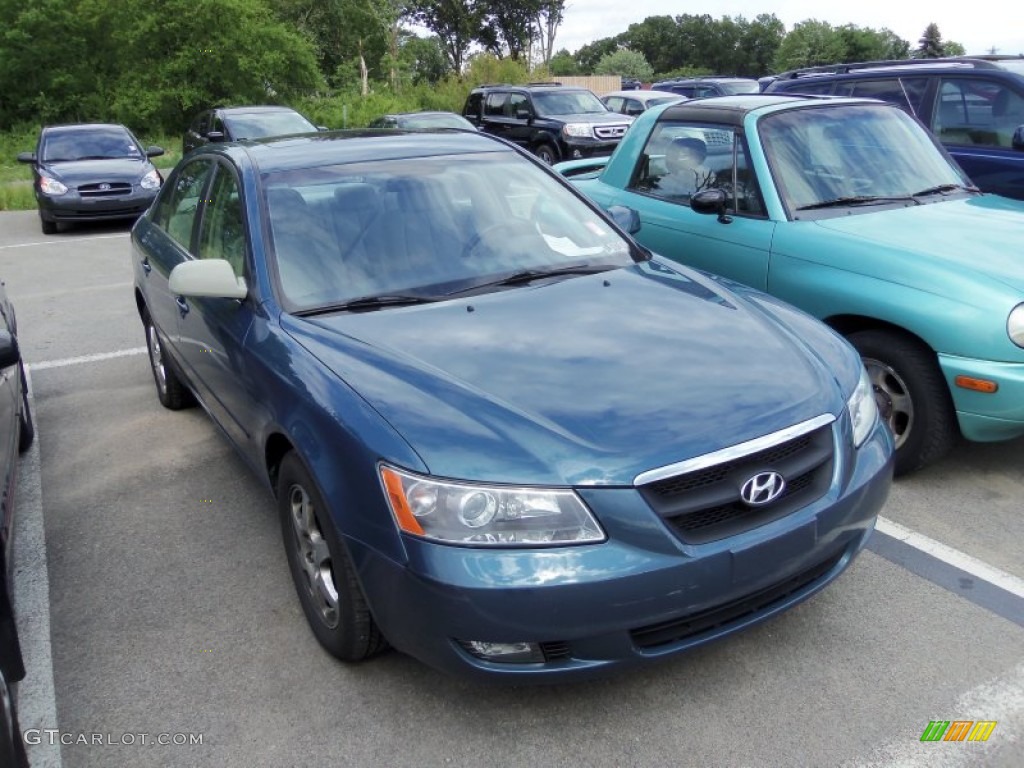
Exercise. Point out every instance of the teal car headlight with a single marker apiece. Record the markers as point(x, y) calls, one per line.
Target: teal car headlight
point(490, 515)
point(863, 409)
point(1015, 325)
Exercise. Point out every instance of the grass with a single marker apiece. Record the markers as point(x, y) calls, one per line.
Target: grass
point(16, 178)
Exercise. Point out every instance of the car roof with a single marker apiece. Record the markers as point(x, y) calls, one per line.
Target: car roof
point(75, 127)
point(252, 109)
point(957, 63)
point(285, 153)
point(731, 110)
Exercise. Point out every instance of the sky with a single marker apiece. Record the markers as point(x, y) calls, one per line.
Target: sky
point(977, 29)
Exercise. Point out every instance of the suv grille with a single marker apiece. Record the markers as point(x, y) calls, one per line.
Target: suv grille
point(610, 131)
point(705, 505)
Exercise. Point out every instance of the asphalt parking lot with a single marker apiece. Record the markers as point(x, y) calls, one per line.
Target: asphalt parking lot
point(155, 602)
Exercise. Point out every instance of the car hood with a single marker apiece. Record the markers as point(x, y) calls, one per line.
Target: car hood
point(87, 171)
point(589, 380)
point(967, 235)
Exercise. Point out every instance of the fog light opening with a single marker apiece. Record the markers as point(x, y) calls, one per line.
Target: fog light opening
point(577, 154)
point(505, 653)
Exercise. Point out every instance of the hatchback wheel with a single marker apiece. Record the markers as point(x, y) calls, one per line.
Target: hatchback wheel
point(48, 227)
point(323, 574)
point(170, 390)
point(912, 396)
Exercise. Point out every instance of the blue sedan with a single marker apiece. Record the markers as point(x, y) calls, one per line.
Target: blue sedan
point(502, 437)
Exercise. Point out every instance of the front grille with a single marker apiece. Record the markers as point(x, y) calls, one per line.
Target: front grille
point(105, 189)
point(705, 505)
point(556, 650)
point(610, 131)
point(684, 627)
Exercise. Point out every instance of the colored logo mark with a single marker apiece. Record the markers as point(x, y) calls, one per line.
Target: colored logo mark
point(958, 730)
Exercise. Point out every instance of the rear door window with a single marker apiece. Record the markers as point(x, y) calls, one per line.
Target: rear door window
point(972, 111)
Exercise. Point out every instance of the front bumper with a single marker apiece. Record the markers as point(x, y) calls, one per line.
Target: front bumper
point(987, 417)
point(577, 148)
point(72, 207)
point(641, 595)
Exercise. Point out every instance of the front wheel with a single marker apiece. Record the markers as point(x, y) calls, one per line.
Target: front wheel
point(49, 227)
point(170, 390)
point(912, 396)
point(547, 153)
point(324, 577)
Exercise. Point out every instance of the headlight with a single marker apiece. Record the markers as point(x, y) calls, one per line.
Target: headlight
point(50, 186)
point(489, 515)
point(863, 409)
point(579, 130)
point(1015, 325)
point(151, 180)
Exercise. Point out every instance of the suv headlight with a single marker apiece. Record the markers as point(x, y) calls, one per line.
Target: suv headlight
point(579, 130)
point(151, 180)
point(50, 186)
point(863, 409)
point(489, 515)
point(1015, 325)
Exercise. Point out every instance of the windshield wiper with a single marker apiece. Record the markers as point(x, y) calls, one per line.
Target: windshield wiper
point(367, 302)
point(943, 188)
point(529, 275)
point(839, 202)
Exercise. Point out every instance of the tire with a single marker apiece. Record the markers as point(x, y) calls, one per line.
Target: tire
point(27, 432)
point(547, 153)
point(324, 578)
point(48, 227)
point(912, 396)
point(170, 390)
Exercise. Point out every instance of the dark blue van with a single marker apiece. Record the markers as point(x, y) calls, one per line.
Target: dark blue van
point(974, 105)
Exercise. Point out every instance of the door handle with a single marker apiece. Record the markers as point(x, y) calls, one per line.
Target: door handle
point(182, 305)
point(146, 266)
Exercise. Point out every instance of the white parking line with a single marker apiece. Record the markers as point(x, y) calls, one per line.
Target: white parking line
point(37, 703)
point(62, 241)
point(980, 570)
point(85, 359)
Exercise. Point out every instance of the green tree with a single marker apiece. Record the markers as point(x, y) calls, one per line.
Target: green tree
point(588, 56)
point(656, 38)
point(563, 63)
point(455, 22)
point(625, 63)
point(930, 44)
point(508, 26)
point(810, 43)
point(950, 48)
point(423, 59)
point(758, 45)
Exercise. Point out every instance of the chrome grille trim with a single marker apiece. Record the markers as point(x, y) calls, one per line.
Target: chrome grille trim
point(733, 451)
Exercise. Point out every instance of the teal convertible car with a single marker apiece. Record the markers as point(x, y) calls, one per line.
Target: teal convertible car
point(850, 210)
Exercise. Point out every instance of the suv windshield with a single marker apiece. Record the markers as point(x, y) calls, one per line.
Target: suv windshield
point(424, 228)
point(740, 86)
point(257, 124)
point(823, 154)
point(567, 103)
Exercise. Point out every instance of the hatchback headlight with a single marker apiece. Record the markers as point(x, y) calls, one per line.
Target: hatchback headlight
point(863, 409)
point(151, 180)
point(1015, 325)
point(50, 186)
point(489, 515)
point(579, 130)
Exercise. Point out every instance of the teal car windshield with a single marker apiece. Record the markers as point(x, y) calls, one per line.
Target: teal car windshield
point(427, 228)
point(856, 153)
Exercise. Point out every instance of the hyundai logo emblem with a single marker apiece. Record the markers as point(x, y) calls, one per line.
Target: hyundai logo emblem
point(763, 488)
point(104, 186)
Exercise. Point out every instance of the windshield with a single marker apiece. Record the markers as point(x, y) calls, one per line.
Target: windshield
point(568, 103)
point(820, 154)
point(741, 86)
point(101, 143)
point(427, 227)
point(256, 125)
point(435, 121)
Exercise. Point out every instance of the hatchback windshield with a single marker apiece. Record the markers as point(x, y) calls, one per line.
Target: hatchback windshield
point(428, 227)
point(255, 125)
point(824, 154)
point(567, 103)
point(99, 143)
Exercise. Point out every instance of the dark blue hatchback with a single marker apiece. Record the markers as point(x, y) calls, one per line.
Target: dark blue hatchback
point(502, 437)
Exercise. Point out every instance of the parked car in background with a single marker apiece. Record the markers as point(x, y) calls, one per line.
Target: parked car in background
point(711, 85)
point(634, 103)
point(422, 120)
point(91, 172)
point(553, 121)
point(631, 84)
point(16, 434)
point(502, 438)
point(850, 210)
point(974, 105)
point(234, 123)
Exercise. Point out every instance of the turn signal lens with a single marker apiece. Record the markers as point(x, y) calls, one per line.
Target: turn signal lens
point(978, 385)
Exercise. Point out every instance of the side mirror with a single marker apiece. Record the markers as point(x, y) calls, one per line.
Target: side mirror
point(322, 128)
point(26, 157)
point(215, 136)
point(212, 278)
point(711, 201)
point(1017, 142)
point(627, 218)
point(154, 151)
point(9, 352)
